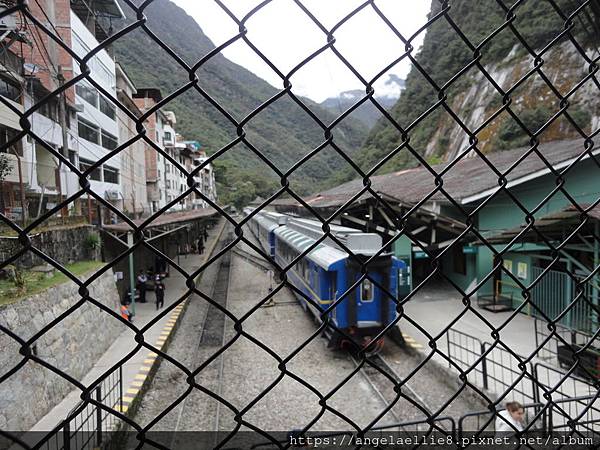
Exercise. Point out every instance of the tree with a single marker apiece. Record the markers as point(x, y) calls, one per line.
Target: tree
point(5, 170)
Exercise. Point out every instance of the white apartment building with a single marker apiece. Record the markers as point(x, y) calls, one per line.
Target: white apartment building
point(205, 177)
point(172, 174)
point(97, 125)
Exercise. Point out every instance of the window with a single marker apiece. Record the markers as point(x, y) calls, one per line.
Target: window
point(73, 157)
point(332, 277)
point(366, 291)
point(111, 175)
point(6, 135)
point(167, 168)
point(85, 164)
point(88, 93)
point(109, 141)
point(88, 131)
point(9, 90)
point(107, 107)
point(168, 136)
point(49, 109)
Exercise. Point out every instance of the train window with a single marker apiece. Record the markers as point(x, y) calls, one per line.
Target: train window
point(332, 285)
point(366, 291)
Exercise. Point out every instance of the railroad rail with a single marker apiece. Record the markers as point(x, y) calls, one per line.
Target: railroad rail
point(377, 372)
point(212, 330)
point(252, 259)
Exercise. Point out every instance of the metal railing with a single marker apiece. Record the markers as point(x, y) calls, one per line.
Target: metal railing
point(502, 372)
point(560, 415)
point(88, 426)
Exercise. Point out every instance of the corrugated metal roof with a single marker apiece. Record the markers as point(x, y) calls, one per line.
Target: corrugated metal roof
point(165, 219)
point(466, 178)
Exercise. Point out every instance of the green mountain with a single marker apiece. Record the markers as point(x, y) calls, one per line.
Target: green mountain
point(444, 54)
point(283, 132)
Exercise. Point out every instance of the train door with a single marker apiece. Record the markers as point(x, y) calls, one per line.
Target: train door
point(368, 296)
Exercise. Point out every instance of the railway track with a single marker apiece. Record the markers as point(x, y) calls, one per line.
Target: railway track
point(410, 407)
point(212, 334)
point(253, 259)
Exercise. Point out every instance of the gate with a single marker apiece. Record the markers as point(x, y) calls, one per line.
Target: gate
point(553, 294)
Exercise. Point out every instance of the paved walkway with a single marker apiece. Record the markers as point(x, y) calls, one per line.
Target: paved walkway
point(435, 308)
point(136, 368)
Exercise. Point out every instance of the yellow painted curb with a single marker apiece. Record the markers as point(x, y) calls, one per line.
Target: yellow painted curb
point(168, 328)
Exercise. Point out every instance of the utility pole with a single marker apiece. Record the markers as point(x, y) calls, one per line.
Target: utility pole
point(62, 112)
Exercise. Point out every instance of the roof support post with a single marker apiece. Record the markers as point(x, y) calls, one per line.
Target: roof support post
point(131, 272)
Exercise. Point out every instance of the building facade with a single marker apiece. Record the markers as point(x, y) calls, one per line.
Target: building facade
point(133, 158)
point(85, 124)
point(145, 99)
point(97, 126)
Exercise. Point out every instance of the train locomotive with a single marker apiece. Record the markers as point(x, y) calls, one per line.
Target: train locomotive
point(327, 272)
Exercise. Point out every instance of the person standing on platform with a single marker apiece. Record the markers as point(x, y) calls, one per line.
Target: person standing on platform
point(200, 245)
point(159, 289)
point(142, 280)
point(125, 313)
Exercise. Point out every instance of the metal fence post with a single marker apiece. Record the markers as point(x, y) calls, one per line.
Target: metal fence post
point(535, 386)
point(484, 366)
point(67, 436)
point(448, 346)
point(121, 389)
point(99, 416)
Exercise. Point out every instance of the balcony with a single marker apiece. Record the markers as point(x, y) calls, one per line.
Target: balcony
point(13, 175)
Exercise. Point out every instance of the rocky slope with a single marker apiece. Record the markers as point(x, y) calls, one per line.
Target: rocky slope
point(448, 59)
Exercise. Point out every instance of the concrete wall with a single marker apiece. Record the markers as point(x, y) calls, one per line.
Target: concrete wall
point(73, 346)
point(63, 245)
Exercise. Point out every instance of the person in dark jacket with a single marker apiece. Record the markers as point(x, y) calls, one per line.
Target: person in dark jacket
point(200, 245)
point(159, 289)
point(142, 280)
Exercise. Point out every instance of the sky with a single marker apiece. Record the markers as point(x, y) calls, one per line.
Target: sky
point(286, 36)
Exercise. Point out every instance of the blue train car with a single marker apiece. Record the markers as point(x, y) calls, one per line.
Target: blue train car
point(328, 273)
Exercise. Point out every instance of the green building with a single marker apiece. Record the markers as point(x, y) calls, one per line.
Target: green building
point(526, 205)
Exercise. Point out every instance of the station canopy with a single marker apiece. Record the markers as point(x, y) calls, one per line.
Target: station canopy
point(557, 226)
point(163, 224)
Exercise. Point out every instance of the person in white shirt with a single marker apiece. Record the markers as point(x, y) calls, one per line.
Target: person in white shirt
point(511, 419)
point(142, 279)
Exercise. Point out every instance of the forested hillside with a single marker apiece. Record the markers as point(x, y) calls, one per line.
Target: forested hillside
point(283, 131)
point(472, 96)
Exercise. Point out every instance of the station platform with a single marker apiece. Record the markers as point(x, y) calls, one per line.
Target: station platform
point(438, 309)
point(434, 308)
point(137, 368)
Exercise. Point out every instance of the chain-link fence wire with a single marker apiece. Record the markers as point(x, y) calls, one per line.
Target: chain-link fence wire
point(578, 11)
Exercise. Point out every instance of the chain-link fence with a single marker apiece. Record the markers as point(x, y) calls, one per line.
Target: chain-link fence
point(490, 369)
